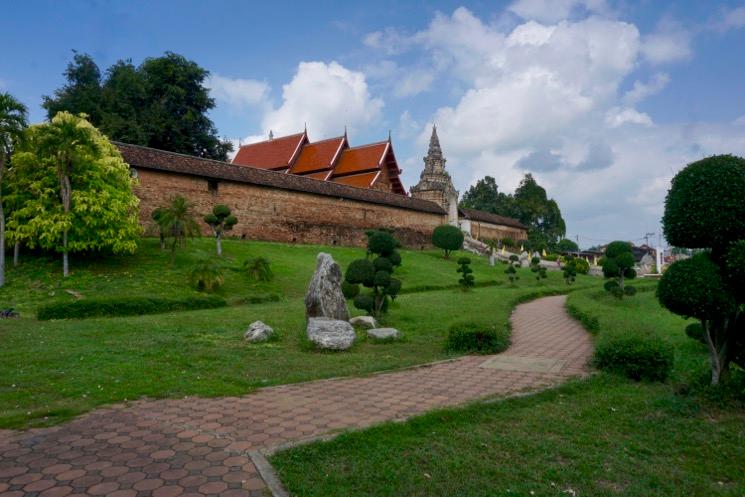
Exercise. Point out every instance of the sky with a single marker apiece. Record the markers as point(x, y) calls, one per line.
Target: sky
point(602, 101)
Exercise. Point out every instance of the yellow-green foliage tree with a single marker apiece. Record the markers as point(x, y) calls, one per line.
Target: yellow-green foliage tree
point(80, 191)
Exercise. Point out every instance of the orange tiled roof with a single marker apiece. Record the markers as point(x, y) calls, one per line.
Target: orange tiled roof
point(318, 175)
point(318, 155)
point(270, 154)
point(364, 180)
point(361, 159)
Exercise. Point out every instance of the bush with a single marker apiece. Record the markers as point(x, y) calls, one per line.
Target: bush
point(467, 279)
point(618, 262)
point(696, 331)
point(476, 337)
point(258, 269)
point(508, 242)
point(206, 276)
point(448, 238)
point(375, 274)
point(128, 306)
point(636, 355)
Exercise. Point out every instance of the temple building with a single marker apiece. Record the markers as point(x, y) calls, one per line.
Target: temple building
point(364, 166)
point(289, 189)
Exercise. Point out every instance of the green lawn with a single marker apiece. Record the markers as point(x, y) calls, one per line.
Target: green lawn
point(52, 370)
point(604, 436)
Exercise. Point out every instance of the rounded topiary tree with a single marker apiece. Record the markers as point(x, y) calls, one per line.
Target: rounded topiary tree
point(704, 209)
point(220, 220)
point(618, 265)
point(464, 268)
point(448, 238)
point(374, 272)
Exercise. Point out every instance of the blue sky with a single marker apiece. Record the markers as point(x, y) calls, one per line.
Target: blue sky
point(603, 101)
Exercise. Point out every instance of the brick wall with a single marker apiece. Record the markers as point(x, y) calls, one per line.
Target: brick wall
point(286, 216)
point(488, 231)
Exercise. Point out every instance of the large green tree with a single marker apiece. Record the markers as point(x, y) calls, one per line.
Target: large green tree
point(529, 204)
point(81, 191)
point(12, 124)
point(163, 103)
point(704, 209)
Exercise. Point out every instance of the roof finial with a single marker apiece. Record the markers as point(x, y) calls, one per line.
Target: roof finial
point(305, 127)
point(389, 134)
point(271, 135)
point(345, 131)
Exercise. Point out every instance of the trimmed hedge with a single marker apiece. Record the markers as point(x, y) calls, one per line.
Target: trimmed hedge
point(589, 322)
point(477, 337)
point(637, 355)
point(128, 306)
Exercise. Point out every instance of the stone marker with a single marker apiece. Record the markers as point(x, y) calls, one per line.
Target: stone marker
point(365, 321)
point(324, 297)
point(258, 332)
point(333, 334)
point(383, 333)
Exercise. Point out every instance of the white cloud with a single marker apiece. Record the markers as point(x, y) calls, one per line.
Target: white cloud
point(641, 91)
point(740, 121)
point(732, 19)
point(618, 116)
point(413, 82)
point(326, 97)
point(238, 93)
point(670, 42)
point(404, 82)
point(555, 10)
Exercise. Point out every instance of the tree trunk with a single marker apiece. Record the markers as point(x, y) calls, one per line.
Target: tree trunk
point(716, 340)
point(16, 254)
point(219, 244)
point(66, 194)
point(2, 223)
point(162, 240)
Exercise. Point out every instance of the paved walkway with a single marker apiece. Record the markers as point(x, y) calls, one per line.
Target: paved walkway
point(196, 447)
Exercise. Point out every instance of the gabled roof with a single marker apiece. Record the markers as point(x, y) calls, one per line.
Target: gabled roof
point(319, 155)
point(276, 153)
point(150, 158)
point(359, 159)
point(488, 217)
point(364, 180)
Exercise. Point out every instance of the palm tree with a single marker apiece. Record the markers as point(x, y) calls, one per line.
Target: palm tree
point(178, 220)
point(12, 124)
point(158, 217)
point(68, 139)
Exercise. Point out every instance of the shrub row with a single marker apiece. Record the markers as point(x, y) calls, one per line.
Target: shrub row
point(129, 306)
point(435, 288)
point(589, 322)
point(481, 338)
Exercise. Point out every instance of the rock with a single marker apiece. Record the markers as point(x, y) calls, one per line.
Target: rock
point(328, 333)
point(258, 332)
point(383, 333)
point(324, 297)
point(365, 321)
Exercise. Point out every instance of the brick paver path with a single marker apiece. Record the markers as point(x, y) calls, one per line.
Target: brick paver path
point(196, 446)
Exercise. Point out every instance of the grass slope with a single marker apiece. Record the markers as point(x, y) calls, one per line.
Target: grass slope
point(52, 370)
point(605, 436)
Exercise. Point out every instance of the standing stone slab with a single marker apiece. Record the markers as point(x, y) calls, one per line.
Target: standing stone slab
point(332, 334)
point(324, 297)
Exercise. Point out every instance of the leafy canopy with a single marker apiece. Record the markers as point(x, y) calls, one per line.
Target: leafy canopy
point(103, 210)
point(448, 238)
point(163, 103)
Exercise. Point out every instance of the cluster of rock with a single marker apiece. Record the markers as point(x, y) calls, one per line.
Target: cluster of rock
point(329, 326)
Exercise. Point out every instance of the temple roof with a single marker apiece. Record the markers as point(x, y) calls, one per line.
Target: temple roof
point(275, 153)
point(488, 217)
point(328, 160)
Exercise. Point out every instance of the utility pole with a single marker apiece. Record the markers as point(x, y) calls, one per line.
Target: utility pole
point(646, 238)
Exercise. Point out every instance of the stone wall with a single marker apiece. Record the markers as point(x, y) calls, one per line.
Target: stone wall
point(272, 214)
point(487, 231)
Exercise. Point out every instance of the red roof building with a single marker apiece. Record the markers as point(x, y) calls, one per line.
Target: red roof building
point(371, 166)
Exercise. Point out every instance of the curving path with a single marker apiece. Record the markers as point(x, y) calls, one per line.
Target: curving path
point(196, 447)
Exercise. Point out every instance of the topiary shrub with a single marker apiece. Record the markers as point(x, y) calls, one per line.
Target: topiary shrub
point(221, 221)
point(535, 267)
point(508, 242)
point(464, 268)
point(448, 238)
point(618, 263)
point(258, 269)
point(375, 274)
point(511, 272)
point(696, 331)
point(636, 355)
point(477, 337)
point(206, 276)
